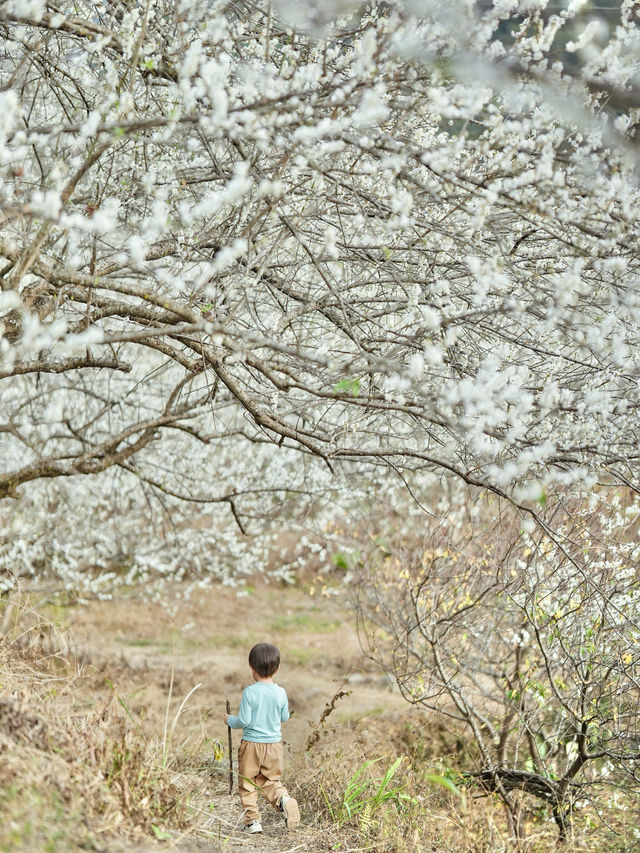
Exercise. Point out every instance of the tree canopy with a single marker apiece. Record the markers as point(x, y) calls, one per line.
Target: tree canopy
point(247, 250)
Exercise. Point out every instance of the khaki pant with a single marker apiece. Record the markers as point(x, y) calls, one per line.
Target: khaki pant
point(259, 767)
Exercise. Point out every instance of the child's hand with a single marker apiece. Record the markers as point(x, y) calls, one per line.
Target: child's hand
point(226, 717)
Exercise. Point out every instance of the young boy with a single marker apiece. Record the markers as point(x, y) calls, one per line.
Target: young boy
point(263, 707)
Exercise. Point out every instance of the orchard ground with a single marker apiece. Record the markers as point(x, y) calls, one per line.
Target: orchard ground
point(100, 689)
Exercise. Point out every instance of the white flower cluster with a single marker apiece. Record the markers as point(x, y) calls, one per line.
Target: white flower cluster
point(232, 233)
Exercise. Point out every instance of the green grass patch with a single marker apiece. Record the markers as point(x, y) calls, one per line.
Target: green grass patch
point(312, 621)
point(299, 657)
point(145, 642)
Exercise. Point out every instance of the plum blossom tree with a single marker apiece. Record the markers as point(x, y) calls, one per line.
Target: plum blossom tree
point(500, 635)
point(257, 260)
point(243, 256)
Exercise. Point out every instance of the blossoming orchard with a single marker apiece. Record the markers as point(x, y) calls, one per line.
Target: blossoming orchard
point(367, 272)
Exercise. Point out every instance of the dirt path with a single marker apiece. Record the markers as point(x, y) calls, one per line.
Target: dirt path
point(148, 650)
point(226, 822)
point(206, 642)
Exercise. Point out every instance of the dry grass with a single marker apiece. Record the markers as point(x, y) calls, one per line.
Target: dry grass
point(439, 816)
point(70, 774)
point(426, 817)
point(99, 750)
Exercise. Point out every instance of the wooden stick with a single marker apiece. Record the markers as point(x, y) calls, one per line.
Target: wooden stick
point(230, 752)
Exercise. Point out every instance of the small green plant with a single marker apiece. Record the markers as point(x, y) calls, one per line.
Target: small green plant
point(445, 781)
point(364, 794)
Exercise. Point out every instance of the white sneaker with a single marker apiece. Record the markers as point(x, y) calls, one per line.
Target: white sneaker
point(289, 805)
point(253, 827)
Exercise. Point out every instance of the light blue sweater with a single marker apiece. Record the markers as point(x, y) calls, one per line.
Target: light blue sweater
point(263, 707)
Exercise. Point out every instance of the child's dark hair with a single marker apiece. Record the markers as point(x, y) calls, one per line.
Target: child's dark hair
point(264, 659)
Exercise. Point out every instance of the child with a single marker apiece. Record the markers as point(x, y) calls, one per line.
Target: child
point(263, 707)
